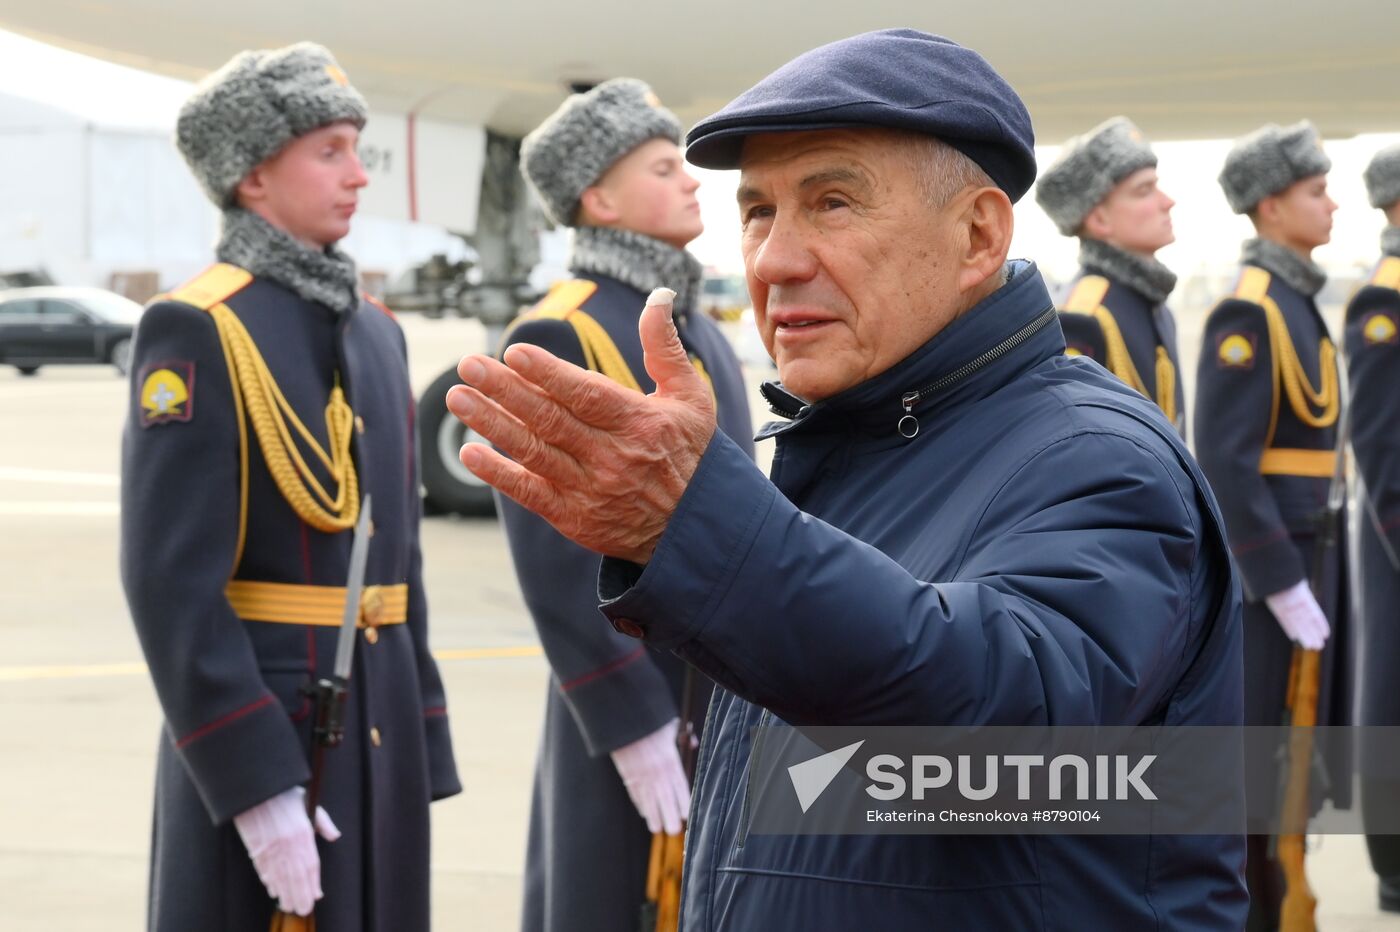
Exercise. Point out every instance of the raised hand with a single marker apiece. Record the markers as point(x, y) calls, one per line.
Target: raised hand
point(603, 464)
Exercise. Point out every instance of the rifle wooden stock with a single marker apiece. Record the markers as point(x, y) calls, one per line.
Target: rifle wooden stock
point(664, 879)
point(288, 922)
point(664, 868)
point(1299, 904)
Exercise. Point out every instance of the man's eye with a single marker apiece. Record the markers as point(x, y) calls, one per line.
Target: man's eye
point(833, 203)
point(757, 213)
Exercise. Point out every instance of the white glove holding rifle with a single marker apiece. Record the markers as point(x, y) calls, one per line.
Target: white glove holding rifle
point(651, 770)
point(1299, 615)
point(282, 844)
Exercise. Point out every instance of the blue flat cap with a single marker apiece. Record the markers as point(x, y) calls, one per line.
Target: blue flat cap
point(896, 78)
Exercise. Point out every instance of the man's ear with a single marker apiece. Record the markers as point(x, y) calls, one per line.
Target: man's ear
point(252, 189)
point(597, 206)
point(989, 222)
point(1096, 225)
point(1265, 212)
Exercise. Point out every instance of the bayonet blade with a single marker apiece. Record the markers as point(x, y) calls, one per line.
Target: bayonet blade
point(354, 586)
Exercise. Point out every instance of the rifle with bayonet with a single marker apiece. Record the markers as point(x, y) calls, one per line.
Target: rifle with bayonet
point(662, 907)
point(1304, 675)
point(329, 694)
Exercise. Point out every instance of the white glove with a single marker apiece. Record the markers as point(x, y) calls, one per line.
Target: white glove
point(651, 770)
point(280, 841)
point(1299, 615)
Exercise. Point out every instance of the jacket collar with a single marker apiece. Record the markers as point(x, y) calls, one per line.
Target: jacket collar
point(1007, 333)
point(320, 276)
point(1390, 241)
point(1143, 274)
point(1302, 275)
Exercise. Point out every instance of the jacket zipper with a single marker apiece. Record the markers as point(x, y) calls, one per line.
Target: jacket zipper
point(908, 425)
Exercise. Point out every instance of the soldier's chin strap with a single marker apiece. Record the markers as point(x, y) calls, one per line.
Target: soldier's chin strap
point(270, 414)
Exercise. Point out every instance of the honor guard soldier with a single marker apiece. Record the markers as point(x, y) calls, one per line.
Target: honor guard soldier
point(1373, 362)
point(268, 397)
point(609, 775)
point(1103, 189)
point(1268, 412)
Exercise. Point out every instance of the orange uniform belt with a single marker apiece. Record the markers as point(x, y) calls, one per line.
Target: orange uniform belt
point(1281, 461)
point(296, 604)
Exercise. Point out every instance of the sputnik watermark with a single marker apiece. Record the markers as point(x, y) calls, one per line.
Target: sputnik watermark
point(1116, 777)
point(912, 780)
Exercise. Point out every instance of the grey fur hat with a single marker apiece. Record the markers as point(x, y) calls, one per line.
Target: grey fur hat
point(581, 140)
point(1270, 159)
point(1089, 167)
point(1383, 177)
point(256, 104)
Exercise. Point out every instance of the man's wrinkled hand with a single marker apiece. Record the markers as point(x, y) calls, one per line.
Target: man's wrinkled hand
point(603, 464)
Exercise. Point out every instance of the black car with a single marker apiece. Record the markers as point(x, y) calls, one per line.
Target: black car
point(54, 326)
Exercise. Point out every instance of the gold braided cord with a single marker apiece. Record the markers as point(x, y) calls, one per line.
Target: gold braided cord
point(600, 351)
point(242, 458)
point(270, 413)
point(1120, 362)
point(1166, 384)
point(1288, 368)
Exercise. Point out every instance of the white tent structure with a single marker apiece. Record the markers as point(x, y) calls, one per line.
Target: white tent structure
point(101, 199)
point(84, 200)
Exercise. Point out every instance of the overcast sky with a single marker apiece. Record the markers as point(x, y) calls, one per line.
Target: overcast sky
point(1208, 235)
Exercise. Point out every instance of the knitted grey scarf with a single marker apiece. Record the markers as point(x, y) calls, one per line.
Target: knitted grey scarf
point(1390, 241)
point(1145, 275)
point(639, 261)
point(1302, 275)
point(323, 276)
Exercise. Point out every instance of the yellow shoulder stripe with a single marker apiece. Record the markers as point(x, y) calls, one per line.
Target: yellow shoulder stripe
point(1087, 295)
point(563, 298)
point(1388, 273)
point(600, 353)
point(213, 286)
point(1253, 285)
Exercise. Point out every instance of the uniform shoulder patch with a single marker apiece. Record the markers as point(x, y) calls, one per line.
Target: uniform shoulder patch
point(1379, 328)
point(167, 392)
point(1236, 350)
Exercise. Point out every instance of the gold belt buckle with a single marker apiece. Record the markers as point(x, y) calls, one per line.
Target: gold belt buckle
point(372, 606)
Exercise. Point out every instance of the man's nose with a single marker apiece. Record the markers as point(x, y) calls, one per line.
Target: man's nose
point(783, 256)
point(357, 177)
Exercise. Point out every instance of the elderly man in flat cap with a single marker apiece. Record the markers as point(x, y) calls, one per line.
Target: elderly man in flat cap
point(1103, 189)
point(1268, 411)
point(267, 397)
point(1373, 363)
point(610, 777)
point(962, 526)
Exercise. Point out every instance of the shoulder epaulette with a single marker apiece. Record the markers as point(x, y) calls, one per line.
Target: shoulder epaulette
point(563, 299)
point(1087, 295)
point(213, 286)
point(1253, 285)
point(1387, 274)
point(372, 300)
